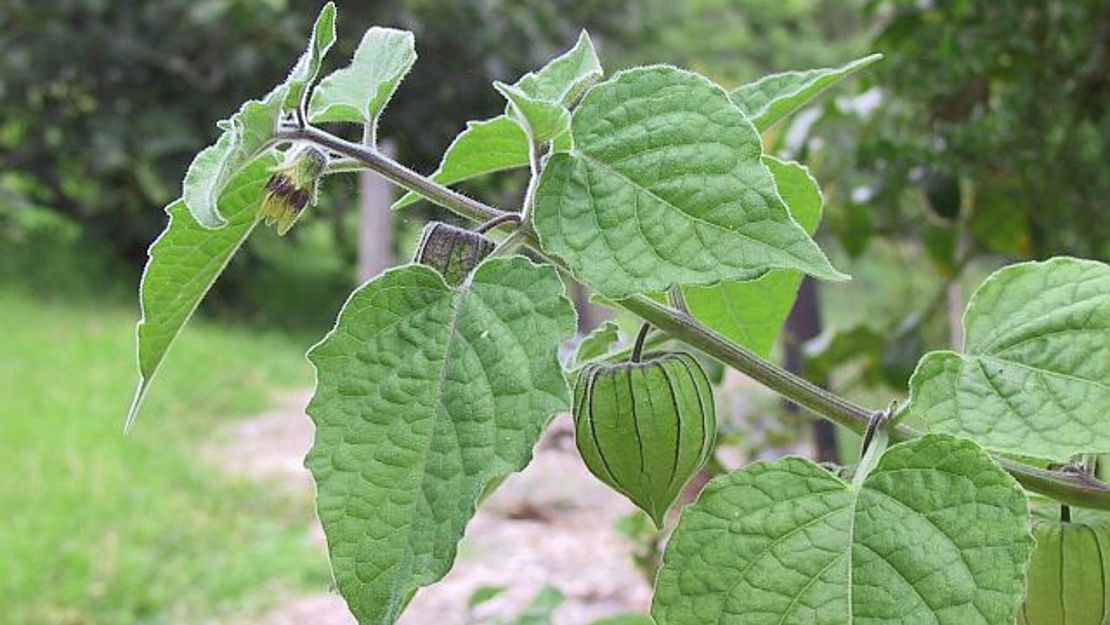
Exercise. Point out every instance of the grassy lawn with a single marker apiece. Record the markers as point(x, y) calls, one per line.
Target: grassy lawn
point(101, 528)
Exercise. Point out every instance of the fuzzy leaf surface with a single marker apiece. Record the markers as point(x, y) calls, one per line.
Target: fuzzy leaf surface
point(1034, 375)
point(565, 77)
point(541, 119)
point(484, 147)
point(248, 133)
point(426, 395)
point(184, 262)
point(246, 136)
point(773, 97)
point(308, 66)
point(935, 534)
point(751, 313)
point(665, 185)
point(359, 92)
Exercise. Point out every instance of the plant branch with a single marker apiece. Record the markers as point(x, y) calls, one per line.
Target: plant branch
point(1070, 488)
point(394, 172)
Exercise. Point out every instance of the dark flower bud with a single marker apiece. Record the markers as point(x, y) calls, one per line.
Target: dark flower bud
point(292, 187)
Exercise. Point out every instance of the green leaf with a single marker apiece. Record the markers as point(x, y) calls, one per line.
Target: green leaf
point(597, 343)
point(752, 313)
point(565, 77)
point(484, 147)
point(308, 66)
point(497, 144)
point(484, 594)
point(359, 92)
point(247, 135)
point(543, 606)
point(184, 262)
point(425, 395)
point(1034, 378)
point(542, 120)
point(250, 132)
point(935, 534)
point(773, 97)
point(665, 185)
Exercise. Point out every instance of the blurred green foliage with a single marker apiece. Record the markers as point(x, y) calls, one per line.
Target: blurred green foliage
point(980, 139)
point(985, 131)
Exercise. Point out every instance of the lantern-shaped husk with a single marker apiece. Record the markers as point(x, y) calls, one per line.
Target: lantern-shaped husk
point(452, 251)
point(645, 428)
point(1068, 573)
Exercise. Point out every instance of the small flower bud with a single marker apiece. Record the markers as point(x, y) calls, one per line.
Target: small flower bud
point(292, 187)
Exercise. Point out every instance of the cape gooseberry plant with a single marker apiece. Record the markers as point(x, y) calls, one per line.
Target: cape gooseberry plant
point(651, 187)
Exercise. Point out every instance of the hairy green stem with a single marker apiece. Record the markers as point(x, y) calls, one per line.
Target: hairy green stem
point(1070, 488)
point(394, 172)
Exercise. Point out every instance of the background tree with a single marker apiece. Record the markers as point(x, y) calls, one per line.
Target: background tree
point(982, 138)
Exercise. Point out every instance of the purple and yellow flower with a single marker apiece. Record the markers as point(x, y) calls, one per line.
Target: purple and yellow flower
point(292, 187)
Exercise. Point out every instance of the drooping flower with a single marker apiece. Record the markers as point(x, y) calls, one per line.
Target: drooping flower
point(292, 187)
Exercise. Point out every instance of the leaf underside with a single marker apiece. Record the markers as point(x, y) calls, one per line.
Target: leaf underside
point(774, 97)
point(1034, 377)
point(184, 262)
point(935, 535)
point(249, 133)
point(665, 185)
point(751, 313)
point(426, 395)
point(482, 148)
point(359, 92)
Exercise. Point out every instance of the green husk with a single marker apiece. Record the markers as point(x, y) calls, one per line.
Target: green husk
point(645, 428)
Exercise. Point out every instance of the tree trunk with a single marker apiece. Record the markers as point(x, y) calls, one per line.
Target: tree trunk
point(803, 324)
point(375, 221)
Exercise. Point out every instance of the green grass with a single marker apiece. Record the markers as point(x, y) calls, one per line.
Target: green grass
point(101, 528)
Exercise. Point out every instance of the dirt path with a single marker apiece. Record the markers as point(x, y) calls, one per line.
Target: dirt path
point(552, 524)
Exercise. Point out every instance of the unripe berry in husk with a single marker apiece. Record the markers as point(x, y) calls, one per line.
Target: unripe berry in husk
point(452, 251)
point(1068, 574)
point(645, 428)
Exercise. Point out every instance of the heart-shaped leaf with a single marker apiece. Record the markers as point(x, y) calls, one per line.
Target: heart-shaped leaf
point(935, 534)
point(1034, 376)
point(665, 185)
point(426, 395)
